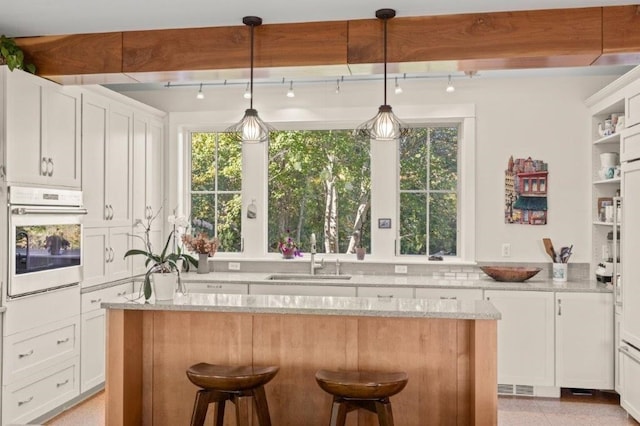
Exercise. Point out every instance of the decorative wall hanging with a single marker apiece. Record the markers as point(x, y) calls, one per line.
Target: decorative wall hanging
point(526, 183)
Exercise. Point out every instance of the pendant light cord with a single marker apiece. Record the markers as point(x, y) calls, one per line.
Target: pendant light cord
point(385, 60)
point(251, 72)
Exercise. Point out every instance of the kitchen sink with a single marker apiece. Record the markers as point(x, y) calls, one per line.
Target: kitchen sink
point(307, 277)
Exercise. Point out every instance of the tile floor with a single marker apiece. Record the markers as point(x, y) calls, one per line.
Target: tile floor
point(512, 411)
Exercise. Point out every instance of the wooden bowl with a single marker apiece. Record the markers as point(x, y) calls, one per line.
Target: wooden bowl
point(510, 273)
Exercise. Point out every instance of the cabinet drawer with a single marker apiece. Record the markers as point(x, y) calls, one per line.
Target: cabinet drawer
point(630, 144)
point(92, 300)
point(35, 349)
point(449, 293)
point(401, 292)
point(35, 395)
point(303, 290)
point(217, 288)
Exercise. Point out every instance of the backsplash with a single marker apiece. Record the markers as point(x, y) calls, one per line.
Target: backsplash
point(577, 271)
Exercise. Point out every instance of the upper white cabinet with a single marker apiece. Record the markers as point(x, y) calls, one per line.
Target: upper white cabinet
point(42, 131)
point(584, 340)
point(107, 160)
point(525, 337)
point(147, 168)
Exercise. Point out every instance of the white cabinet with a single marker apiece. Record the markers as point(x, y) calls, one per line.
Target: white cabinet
point(106, 162)
point(630, 380)
point(302, 290)
point(449, 293)
point(217, 288)
point(147, 167)
point(525, 337)
point(104, 250)
point(632, 108)
point(584, 340)
point(630, 247)
point(42, 130)
point(93, 332)
point(385, 292)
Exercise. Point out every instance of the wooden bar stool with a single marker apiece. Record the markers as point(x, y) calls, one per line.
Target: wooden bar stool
point(238, 384)
point(368, 390)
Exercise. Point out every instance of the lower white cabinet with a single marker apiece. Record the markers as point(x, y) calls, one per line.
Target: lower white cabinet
point(302, 290)
point(630, 380)
point(386, 292)
point(525, 337)
point(217, 288)
point(449, 293)
point(584, 340)
point(93, 333)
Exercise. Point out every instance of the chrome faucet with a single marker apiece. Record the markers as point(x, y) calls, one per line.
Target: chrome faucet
point(314, 265)
point(337, 266)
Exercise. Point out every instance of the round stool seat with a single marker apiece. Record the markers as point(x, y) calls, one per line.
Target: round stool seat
point(361, 384)
point(230, 378)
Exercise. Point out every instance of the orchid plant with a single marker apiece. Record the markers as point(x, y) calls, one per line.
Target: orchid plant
point(288, 246)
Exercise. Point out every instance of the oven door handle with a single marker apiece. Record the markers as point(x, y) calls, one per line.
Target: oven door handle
point(33, 210)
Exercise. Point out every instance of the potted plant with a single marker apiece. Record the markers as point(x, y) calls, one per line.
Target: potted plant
point(288, 246)
point(161, 266)
point(204, 246)
point(12, 56)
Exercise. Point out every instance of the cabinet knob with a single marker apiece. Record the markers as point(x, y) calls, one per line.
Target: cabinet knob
point(50, 167)
point(43, 167)
point(559, 307)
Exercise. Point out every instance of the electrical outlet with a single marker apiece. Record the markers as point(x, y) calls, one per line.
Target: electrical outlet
point(506, 250)
point(234, 266)
point(401, 269)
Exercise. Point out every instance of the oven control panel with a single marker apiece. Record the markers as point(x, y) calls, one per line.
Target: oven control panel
point(20, 195)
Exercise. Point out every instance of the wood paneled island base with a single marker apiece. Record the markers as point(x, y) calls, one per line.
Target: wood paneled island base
point(451, 364)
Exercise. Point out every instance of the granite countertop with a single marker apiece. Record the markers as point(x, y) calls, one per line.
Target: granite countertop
point(484, 283)
point(318, 305)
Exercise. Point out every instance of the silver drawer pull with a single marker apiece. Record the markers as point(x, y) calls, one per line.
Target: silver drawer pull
point(625, 350)
point(214, 286)
point(62, 341)
point(96, 300)
point(382, 296)
point(21, 403)
point(448, 298)
point(122, 293)
point(62, 384)
point(26, 354)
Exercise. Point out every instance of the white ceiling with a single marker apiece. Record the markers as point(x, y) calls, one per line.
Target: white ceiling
point(23, 18)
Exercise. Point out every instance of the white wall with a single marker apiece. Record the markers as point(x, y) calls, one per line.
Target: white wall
point(542, 117)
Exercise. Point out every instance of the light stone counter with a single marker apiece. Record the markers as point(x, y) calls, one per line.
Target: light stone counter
point(534, 284)
point(319, 305)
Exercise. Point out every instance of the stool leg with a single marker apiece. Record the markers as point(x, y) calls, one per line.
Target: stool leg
point(385, 415)
point(242, 409)
point(338, 412)
point(218, 419)
point(262, 409)
point(200, 408)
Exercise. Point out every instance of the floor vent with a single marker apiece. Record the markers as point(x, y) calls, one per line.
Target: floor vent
point(505, 389)
point(524, 390)
point(521, 390)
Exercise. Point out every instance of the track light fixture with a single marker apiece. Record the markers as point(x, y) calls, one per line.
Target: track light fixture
point(290, 92)
point(385, 125)
point(200, 94)
point(398, 89)
point(251, 128)
point(450, 87)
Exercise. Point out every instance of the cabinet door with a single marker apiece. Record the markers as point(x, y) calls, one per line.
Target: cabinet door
point(92, 352)
point(525, 337)
point(584, 340)
point(449, 293)
point(154, 186)
point(23, 129)
point(302, 290)
point(94, 143)
point(118, 167)
point(61, 136)
point(119, 243)
point(139, 169)
point(633, 110)
point(630, 380)
point(629, 250)
point(95, 255)
point(385, 292)
point(217, 288)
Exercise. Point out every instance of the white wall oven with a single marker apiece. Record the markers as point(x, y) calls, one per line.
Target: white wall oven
point(45, 239)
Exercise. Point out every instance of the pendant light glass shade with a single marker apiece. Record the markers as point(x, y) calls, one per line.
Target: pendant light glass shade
point(385, 125)
point(251, 129)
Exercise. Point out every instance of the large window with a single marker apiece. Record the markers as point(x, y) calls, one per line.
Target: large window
point(319, 182)
point(429, 192)
point(215, 190)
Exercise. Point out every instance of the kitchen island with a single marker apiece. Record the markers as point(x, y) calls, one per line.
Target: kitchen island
point(447, 347)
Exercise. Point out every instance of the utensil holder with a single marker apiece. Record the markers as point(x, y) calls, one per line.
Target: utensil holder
point(560, 272)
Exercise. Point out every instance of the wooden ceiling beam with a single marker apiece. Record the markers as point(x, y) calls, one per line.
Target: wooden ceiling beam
point(541, 38)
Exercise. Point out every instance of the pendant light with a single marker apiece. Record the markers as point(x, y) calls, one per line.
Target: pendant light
point(385, 125)
point(251, 128)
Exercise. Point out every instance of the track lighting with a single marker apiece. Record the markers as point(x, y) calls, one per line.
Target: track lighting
point(450, 87)
point(398, 88)
point(290, 92)
point(200, 95)
point(247, 92)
